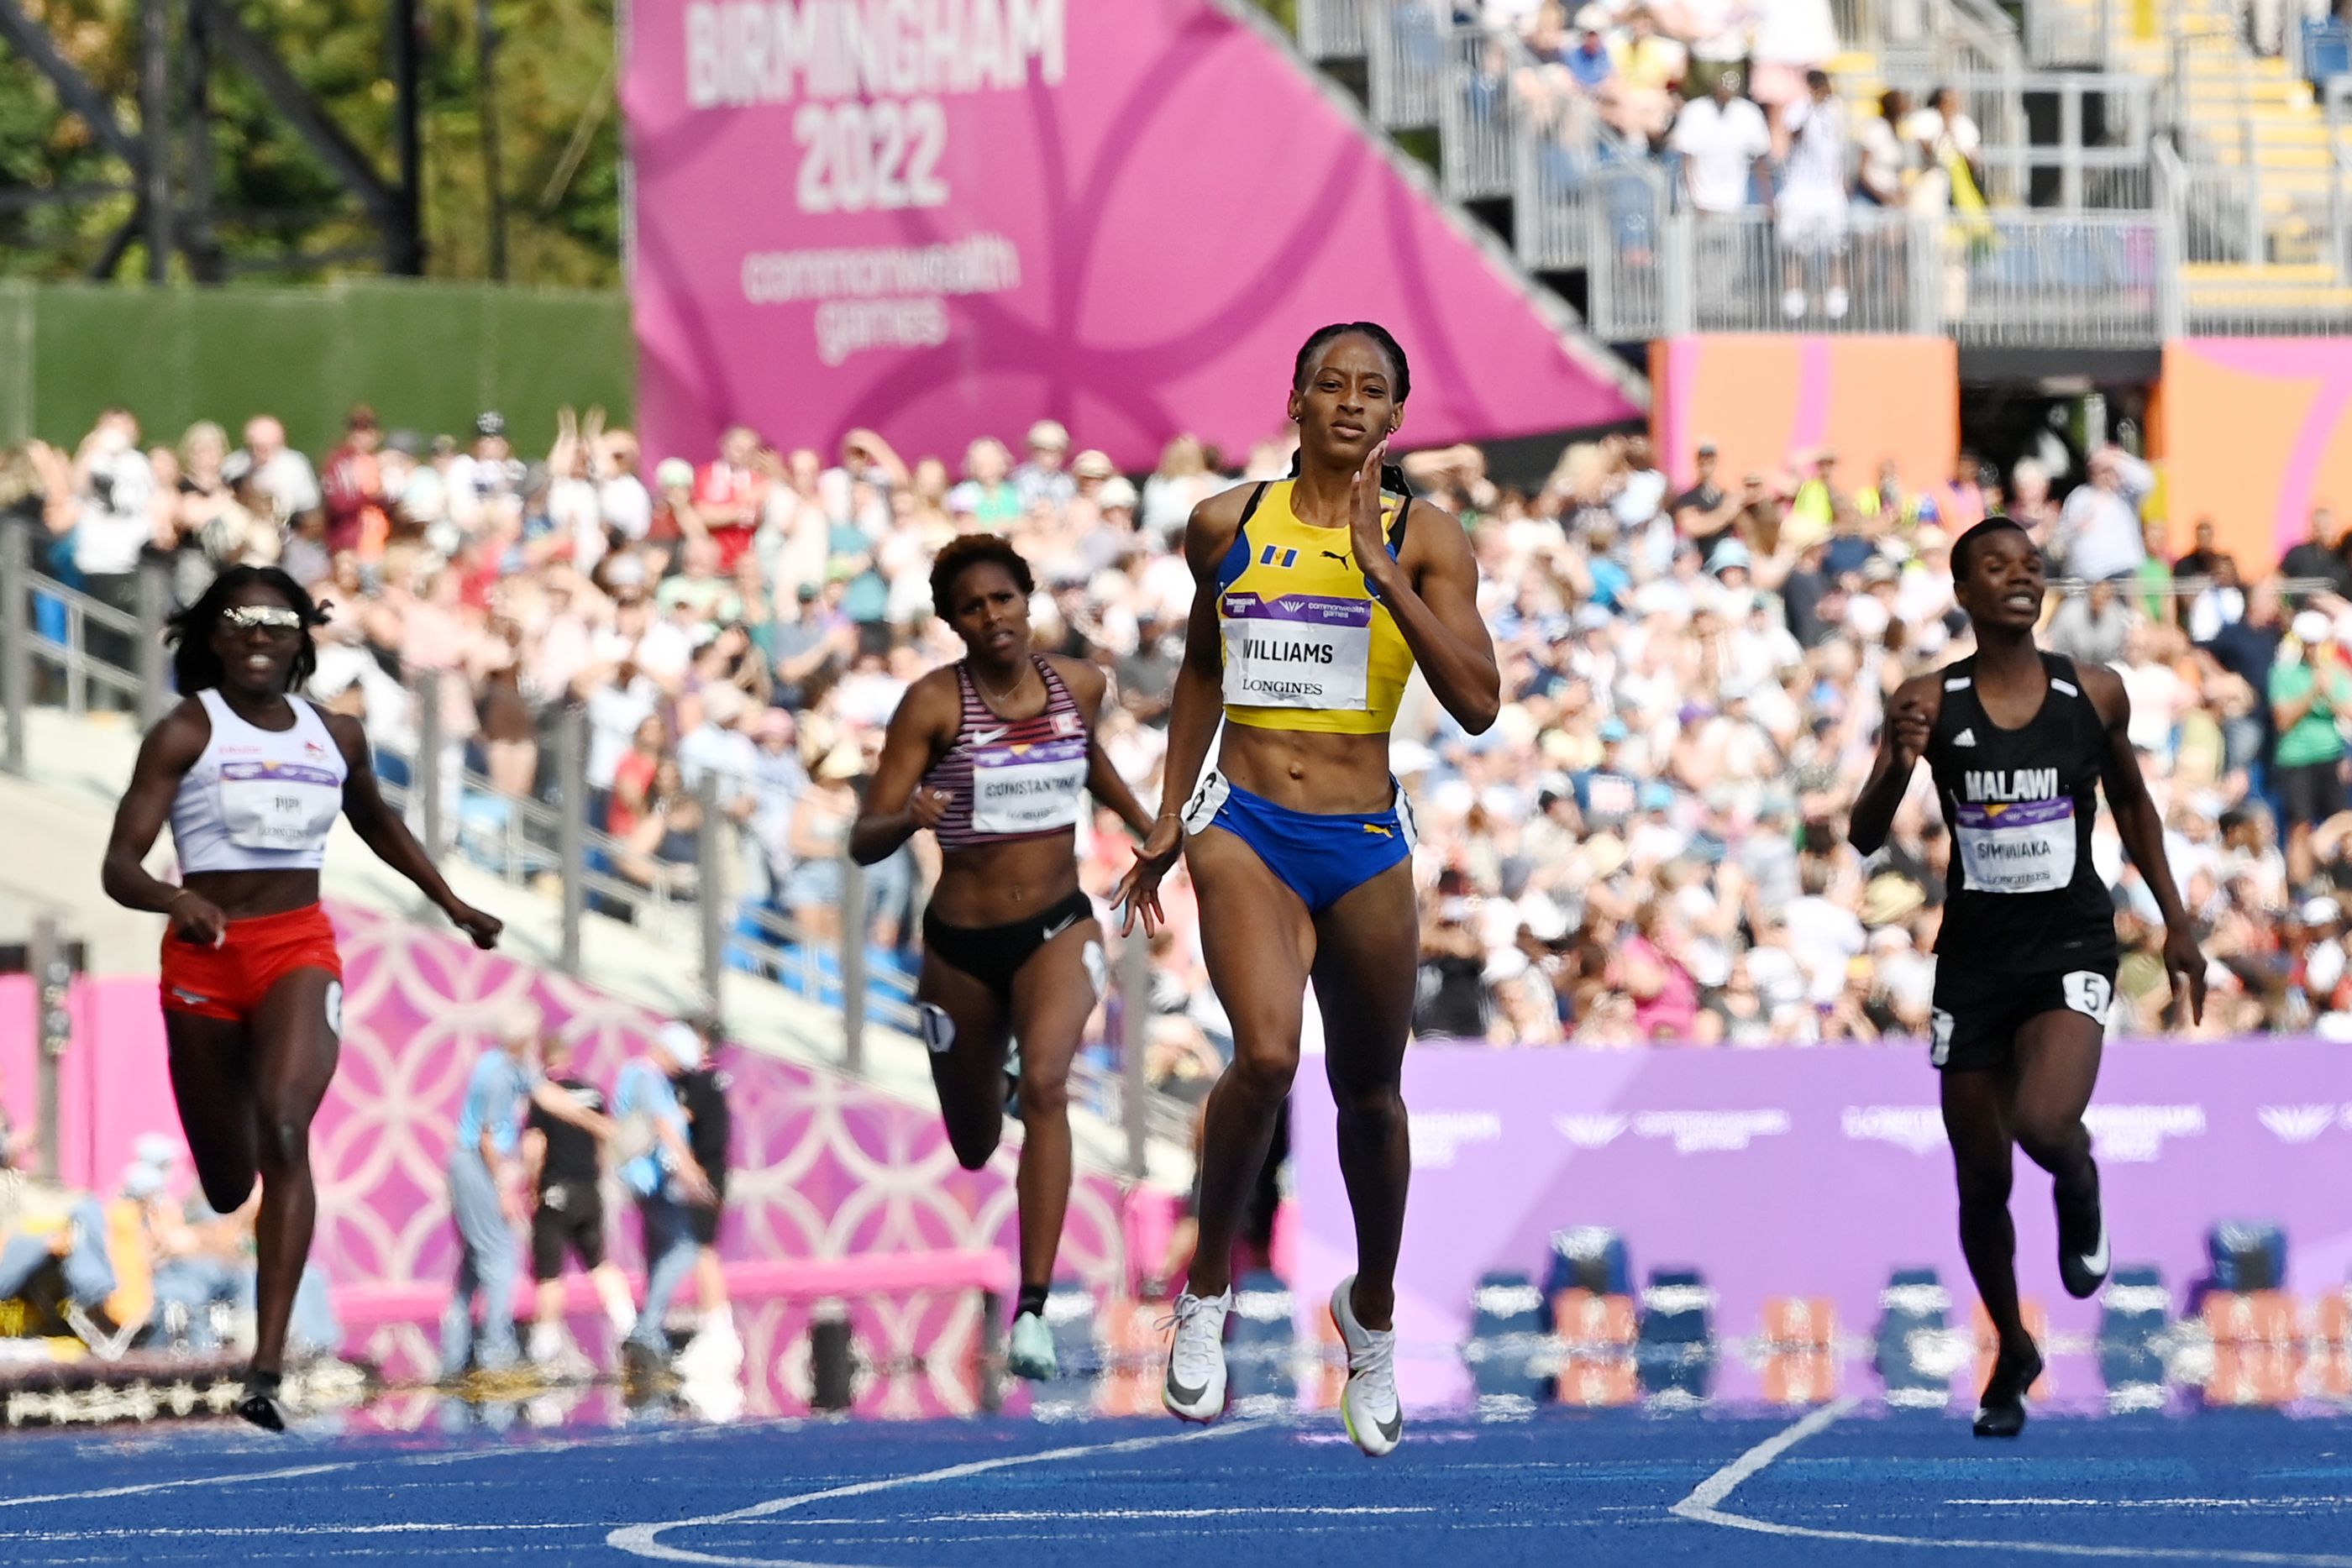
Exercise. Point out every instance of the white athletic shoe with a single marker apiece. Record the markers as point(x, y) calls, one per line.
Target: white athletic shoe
point(546, 1345)
point(1195, 1387)
point(715, 1354)
point(1031, 1354)
point(612, 1295)
point(1369, 1406)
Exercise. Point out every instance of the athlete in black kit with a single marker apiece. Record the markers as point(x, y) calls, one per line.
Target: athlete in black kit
point(2018, 741)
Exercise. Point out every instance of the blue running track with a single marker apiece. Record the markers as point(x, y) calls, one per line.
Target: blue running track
point(1843, 1485)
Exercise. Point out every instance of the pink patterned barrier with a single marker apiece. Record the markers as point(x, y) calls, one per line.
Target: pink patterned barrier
point(824, 1167)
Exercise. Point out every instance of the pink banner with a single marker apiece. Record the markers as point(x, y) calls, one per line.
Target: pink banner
point(947, 218)
point(118, 1030)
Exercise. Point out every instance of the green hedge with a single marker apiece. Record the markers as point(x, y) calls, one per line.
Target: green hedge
point(429, 356)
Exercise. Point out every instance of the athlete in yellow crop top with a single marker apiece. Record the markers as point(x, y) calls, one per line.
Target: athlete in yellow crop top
point(1306, 645)
point(1317, 597)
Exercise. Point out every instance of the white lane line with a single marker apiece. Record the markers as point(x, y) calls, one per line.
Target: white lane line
point(1720, 1485)
point(292, 1472)
point(406, 1527)
point(2271, 1503)
point(645, 1540)
point(1704, 1507)
point(207, 1532)
point(1025, 1515)
point(284, 1475)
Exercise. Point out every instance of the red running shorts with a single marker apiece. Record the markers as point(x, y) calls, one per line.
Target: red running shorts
point(229, 981)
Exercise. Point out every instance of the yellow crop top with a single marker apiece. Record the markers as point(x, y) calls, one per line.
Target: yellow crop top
point(1305, 645)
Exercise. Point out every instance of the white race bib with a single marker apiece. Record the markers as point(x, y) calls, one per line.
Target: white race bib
point(1028, 788)
point(279, 805)
point(1296, 650)
point(2026, 846)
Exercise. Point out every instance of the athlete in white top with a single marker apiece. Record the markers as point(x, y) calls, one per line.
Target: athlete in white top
point(252, 780)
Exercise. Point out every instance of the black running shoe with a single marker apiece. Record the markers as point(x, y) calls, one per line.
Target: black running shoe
point(643, 1366)
point(2002, 1412)
point(2083, 1254)
point(264, 1410)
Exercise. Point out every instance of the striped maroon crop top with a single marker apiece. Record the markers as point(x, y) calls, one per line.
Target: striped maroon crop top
point(1012, 780)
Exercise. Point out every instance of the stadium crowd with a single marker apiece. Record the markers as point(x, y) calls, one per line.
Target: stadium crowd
point(1647, 846)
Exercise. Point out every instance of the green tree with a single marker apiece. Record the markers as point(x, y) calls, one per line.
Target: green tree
point(273, 200)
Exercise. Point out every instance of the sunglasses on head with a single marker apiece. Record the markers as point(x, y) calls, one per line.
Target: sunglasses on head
point(261, 618)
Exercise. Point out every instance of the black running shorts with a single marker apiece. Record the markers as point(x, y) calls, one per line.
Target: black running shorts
point(569, 1218)
point(1976, 1016)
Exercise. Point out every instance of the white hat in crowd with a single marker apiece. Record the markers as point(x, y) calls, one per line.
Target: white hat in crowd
point(680, 1044)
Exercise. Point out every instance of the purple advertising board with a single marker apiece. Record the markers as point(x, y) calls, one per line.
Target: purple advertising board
point(1816, 1173)
point(944, 219)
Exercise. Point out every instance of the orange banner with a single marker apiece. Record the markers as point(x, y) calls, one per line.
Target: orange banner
point(2256, 431)
point(1763, 400)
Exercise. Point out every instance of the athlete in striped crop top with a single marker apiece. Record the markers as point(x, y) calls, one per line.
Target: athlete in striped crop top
point(996, 755)
point(1315, 598)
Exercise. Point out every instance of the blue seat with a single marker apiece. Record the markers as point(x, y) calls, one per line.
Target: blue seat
point(2326, 50)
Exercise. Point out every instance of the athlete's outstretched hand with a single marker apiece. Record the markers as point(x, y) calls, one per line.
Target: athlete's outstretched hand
point(2184, 969)
point(1139, 890)
point(483, 928)
point(1909, 723)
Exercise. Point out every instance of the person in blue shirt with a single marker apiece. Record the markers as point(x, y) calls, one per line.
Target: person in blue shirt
point(486, 1196)
point(660, 1169)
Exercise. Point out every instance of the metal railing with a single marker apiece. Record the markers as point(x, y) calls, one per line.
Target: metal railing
point(2070, 33)
point(2204, 59)
point(56, 635)
point(2033, 279)
point(718, 910)
point(1479, 115)
point(2009, 279)
point(1332, 29)
point(1900, 32)
point(1412, 60)
point(1639, 273)
point(1567, 163)
point(2109, 173)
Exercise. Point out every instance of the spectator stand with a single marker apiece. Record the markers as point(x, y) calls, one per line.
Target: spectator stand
point(2095, 233)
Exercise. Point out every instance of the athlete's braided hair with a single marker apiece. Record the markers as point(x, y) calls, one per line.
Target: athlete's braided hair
point(968, 550)
point(196, 667)
point(1392, 477)
point(1965, 546)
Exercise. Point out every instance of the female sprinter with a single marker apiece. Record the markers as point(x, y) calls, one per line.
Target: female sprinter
point(1317, 596)
point(2018, 741)
point(995, 755)
point(252, 780)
